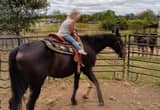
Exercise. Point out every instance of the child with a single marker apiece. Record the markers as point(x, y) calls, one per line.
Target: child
point(67, 27)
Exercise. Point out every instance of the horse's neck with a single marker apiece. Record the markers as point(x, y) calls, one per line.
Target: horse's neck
point(96, 43)
point(100, 47)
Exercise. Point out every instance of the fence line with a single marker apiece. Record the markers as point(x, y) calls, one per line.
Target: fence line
point(143, 56)
point(141, 59)
point(106, 56)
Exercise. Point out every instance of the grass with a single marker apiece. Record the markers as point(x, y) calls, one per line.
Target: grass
point(81, 27)
point(147, 58)
point(146, 65)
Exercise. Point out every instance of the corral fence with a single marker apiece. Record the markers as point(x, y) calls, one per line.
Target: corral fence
point(7, 44)
point(143, 57)
point(142, 60)
point(107, 60)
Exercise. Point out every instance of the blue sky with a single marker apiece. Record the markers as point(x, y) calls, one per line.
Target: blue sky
point(121, 7)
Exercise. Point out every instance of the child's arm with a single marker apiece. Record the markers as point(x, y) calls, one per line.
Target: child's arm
point(71, 28)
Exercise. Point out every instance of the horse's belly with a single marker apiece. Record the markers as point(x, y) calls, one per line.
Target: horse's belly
point(60, 75)
point(61, 71)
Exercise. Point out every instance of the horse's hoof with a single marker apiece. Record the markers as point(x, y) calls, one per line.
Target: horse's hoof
point(101, 104)
point(85, 97)
point(74, 102)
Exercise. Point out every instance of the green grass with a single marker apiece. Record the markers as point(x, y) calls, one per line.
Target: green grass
point(81, 27)
point(149, 66)
point(147, 58)
point(43, 29)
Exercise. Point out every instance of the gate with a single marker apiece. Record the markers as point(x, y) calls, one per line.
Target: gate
point(143, 57)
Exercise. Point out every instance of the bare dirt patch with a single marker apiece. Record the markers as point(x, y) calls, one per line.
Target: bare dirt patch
point(118, 95)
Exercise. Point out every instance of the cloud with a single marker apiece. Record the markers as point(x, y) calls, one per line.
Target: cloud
point(90, 6)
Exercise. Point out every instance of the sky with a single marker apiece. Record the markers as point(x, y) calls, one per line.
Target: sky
point(121, 7)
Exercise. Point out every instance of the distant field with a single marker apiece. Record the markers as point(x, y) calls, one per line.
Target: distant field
point(81, 27)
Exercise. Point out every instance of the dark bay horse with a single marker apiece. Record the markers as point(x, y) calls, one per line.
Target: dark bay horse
point(31, 63)
point(144, 42)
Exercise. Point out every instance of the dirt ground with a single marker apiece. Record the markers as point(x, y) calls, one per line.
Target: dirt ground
point(118, 95)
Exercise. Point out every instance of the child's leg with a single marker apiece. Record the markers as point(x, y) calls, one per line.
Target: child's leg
point(70, 39)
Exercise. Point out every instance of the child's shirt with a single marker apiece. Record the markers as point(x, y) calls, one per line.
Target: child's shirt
point(65, 27)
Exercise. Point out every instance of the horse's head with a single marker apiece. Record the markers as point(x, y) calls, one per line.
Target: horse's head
point(118, 45)
point(99, 42)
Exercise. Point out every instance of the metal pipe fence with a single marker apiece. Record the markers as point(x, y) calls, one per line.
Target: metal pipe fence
point(143, 56)
point(107, 60)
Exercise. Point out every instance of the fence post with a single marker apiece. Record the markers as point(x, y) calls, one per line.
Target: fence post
point(19, 40)
point(0, 65)
point(128, 53)
point(124, 59)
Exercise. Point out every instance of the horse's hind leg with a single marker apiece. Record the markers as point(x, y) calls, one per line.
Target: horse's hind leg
point(76, 85)
point(35, 88)
point(15, 101)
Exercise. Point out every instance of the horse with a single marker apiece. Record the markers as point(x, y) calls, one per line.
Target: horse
point(143, 42)
point(30, 64)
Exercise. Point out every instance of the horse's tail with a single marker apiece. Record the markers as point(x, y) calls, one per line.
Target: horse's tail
point(17, 85)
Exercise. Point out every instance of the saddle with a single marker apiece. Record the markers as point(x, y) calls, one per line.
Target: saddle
point(58, 44)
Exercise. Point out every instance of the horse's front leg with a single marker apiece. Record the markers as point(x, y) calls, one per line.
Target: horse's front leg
point(76, 85)
point(90, 86)
point(91, 76)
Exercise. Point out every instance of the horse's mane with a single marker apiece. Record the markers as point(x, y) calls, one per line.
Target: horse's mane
point(99, 41)
point(108, 36)
point(94, 38)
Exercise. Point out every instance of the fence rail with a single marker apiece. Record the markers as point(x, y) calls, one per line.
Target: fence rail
point(104, 63)
point(143, 58)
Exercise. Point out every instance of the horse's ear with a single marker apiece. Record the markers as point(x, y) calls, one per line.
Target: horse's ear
point(112, 31)
point(117, 32)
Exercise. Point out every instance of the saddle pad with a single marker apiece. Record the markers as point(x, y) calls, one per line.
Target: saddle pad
point(57, 47)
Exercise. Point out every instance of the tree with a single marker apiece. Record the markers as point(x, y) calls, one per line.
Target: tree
point(136, 24)
point(59, 16)
point(106, 19)
point(84, 18)
point(130, 16)
point(18, 15)
point(149, 16)
point(122, 22)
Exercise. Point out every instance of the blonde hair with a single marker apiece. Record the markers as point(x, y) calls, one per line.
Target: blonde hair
point(74, 11)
